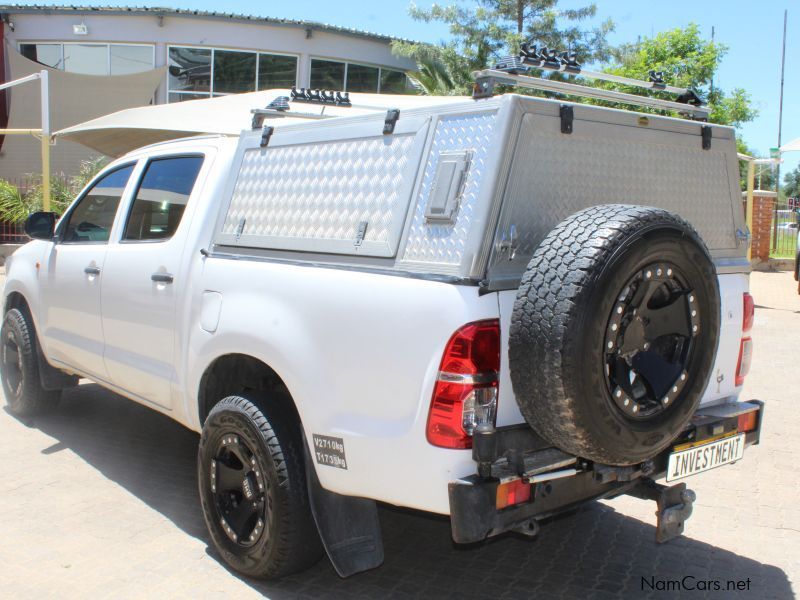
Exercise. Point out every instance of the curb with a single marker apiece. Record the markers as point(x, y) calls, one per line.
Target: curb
point(773, 264)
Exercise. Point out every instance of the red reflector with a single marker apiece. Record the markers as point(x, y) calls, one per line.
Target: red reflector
point(748, 421)
point(745, 356)
point(513, 492)
point(470, 362)
point(749, 313)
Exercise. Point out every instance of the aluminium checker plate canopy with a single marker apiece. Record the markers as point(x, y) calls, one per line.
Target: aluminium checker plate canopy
point(340, 192)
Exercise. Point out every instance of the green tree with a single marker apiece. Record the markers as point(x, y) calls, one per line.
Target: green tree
point(440, 71)
point(791, 183)
point(686, 60)
point(482, 34)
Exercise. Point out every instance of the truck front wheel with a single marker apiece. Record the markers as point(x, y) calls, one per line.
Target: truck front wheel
point(253, 489)
point(20, 368)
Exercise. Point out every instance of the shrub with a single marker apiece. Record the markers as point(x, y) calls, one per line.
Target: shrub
point(16, 205)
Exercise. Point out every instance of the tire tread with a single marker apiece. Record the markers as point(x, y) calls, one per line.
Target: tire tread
point(551, 296)
point(34, 400)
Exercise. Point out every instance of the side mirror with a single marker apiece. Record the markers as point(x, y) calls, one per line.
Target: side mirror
point(41, 225)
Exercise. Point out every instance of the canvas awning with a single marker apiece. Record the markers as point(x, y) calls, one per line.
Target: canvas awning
point(793, 146)
point(126, 130)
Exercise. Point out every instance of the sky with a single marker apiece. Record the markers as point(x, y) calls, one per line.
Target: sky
point(751, 30)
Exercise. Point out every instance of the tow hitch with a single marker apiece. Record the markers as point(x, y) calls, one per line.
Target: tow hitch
point(674, 506)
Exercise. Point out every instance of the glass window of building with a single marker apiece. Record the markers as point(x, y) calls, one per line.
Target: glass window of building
point(275, 71)
point(182, 97)
point(189, 69)
point(352, 77)
point(92, 59)
point(204, 72)
point(234, 72)
point(361, 78)
point(395, 82)
point(45, 54)
point(86, 59)
point(327, 74)
point(124, 60)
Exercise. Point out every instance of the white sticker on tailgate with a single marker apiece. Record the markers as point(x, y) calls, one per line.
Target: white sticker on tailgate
point(702, 458)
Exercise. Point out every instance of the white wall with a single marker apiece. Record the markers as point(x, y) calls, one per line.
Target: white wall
point(197, 31)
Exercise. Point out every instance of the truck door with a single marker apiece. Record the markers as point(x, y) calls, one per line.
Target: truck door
point(141, 282)
point(72, 273)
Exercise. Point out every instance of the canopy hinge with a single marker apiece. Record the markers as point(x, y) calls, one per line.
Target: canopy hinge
point(266, 133)
point(391, 120)
point(705, 131)
point(567, 115)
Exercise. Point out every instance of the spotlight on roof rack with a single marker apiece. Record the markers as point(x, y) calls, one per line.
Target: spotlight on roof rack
point(545, 58)
point(280, 103)
point(321, 96)
point(657, 77)
point(511, 64)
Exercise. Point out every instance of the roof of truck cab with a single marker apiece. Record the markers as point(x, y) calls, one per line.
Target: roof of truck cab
point(121, 132)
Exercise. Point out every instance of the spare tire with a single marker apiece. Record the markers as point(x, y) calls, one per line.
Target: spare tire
point(614, 332)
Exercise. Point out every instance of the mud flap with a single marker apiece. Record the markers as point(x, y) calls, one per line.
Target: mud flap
point(348, 526)
point(674, 506)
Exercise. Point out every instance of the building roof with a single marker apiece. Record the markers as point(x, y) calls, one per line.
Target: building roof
point(178, 12)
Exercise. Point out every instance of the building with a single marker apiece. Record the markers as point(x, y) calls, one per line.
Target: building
point(106, 59)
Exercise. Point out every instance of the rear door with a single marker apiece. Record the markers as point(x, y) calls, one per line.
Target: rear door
point(72, 273)
point(142, 283)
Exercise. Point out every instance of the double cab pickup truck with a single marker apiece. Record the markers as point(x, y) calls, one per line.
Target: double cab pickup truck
point(495, 308)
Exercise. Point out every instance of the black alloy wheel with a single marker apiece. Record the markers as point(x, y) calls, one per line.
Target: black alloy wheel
point(649, 340)
point(241, 498)
point(614, 332)
point(19, 367)
point(253, 489)
point(12, 364)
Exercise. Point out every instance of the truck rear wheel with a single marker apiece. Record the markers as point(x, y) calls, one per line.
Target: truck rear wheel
point(20, 368)
point(253, 489)
point(614, 332)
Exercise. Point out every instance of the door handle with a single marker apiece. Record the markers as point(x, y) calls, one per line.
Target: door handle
point(92, 270)
point(162, 277)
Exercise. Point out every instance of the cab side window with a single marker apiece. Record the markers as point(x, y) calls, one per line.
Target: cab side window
point(161, 198)
point(91, 219)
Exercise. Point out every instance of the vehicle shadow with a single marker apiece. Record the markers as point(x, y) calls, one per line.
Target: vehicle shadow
point(595, 553)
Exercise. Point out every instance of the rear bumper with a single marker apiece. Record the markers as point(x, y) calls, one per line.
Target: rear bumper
point(561, 482)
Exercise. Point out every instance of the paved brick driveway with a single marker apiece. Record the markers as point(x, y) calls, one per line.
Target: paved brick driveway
point(98, 500)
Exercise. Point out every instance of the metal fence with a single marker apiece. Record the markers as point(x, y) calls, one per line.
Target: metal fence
point(785, 225)
point(12, 233)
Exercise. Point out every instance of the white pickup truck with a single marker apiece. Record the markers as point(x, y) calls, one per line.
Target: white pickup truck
point(492, 308)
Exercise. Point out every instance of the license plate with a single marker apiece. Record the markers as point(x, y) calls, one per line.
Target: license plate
point(705, 457)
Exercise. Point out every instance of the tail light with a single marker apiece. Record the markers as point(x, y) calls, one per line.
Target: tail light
point(749, 313)
point(746, 345)
point(745, 356)
point(465, 394)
